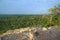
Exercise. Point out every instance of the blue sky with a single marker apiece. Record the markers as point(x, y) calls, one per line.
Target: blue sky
point(26, 6)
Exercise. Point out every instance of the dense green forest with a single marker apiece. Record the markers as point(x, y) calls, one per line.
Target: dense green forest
point(21, 21)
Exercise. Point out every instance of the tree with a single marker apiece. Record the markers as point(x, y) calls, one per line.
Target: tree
point(55, 13)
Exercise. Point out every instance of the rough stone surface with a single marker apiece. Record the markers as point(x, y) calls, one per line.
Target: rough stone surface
point(36, 33)
point(51, 34)
point(0, 38)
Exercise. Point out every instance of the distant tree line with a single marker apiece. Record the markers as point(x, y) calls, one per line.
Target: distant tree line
point(46, 20)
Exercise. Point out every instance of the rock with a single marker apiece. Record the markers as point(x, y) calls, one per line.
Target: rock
point(0, 38)
point(36, 33)
point(49, 34)
point(15, 37)
point(44, 29)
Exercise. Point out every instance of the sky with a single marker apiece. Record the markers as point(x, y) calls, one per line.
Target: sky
point(26, 6)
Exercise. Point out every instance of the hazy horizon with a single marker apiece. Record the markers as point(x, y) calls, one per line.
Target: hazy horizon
point(26, 6)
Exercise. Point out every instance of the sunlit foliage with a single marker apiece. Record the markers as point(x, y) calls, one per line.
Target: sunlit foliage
point(22, 21)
